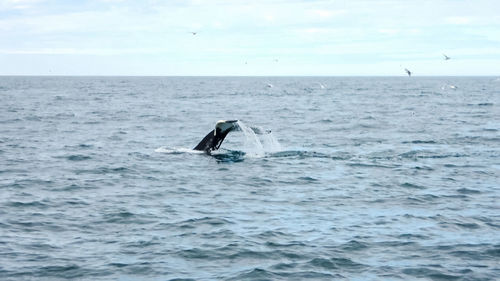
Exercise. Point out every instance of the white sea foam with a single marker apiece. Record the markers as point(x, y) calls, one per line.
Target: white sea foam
point(175, 150)
point(257, 145)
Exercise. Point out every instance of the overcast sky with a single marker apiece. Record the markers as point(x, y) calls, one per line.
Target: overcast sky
point(237, 37)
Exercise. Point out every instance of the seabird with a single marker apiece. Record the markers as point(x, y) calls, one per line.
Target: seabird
point(192, 32)
point(446, 57)
point(408, 72)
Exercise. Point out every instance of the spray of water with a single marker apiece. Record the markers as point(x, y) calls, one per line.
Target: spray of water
point(256, 142)
point(260, 143)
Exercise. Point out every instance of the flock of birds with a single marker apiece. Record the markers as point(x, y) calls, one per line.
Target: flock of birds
point(453, 87)
point(408, 72)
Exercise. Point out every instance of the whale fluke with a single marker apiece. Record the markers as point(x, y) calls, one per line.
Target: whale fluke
point(214, 139)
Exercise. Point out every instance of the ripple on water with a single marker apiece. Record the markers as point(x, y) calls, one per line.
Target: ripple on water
point(427, 273)
point(78, 157)
point(307, 179)
point(75, 187)
point(412, 186)
point(125, 217)
point(413, 236)
point(468, 191)
point(322, 263)
point(299, 154)
point(420, 142)
point(75, 157)
point(262, 274)
point(61, 271)
point(354, 245)
point(31, 204)
point(423, 154)
point(211, 221)
point(106, 170)
point(494, 251)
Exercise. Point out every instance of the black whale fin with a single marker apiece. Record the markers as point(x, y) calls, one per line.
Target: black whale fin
point(214, 138)
point(206, 143)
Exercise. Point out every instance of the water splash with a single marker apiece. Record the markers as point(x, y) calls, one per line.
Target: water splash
point(258, 142)
point(255, 142)
point(270, 143)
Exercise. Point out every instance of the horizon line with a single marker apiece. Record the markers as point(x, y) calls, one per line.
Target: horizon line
point(112, 75)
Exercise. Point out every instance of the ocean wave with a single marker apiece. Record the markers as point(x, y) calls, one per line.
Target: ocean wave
point(411, 185)
point(420, 142)
point(106, 170)
point(212, 221)
point(301, 154)
point(427, 273)
point(75, 157)
point(481, 104)
point(263, 274)
point(468, 191)
point(31, 204)
point(125, 217)
point(424, 154)
point(372, 165)
point(354, 245)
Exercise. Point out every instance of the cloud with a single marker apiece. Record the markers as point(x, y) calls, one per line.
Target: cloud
point(458, 20)
point(389, 31)
point(99, 21)
point(18, 4)
point(311, 31)
point(84, 51)
point(326, 14)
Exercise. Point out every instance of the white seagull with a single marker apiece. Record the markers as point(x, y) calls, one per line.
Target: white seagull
point(408, 72)
point(446, 57)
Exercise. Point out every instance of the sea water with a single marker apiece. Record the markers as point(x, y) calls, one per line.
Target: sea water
point(328, 178)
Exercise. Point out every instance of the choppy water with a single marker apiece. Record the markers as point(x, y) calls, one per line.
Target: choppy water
point(364, 179)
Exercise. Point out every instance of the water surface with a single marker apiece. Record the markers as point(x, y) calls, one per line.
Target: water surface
point(374, 179)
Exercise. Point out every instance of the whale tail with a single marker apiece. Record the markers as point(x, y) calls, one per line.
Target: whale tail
point(213, 140)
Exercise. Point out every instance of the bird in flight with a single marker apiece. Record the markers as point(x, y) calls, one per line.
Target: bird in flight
point(446, 57)
point(192, 32)
point(408, 72)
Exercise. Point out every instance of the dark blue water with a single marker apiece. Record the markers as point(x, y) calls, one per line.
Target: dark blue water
point(371, 179)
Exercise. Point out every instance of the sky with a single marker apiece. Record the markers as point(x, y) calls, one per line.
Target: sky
point(249, 38)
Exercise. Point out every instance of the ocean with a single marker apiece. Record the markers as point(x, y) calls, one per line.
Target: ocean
point(350, 178)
